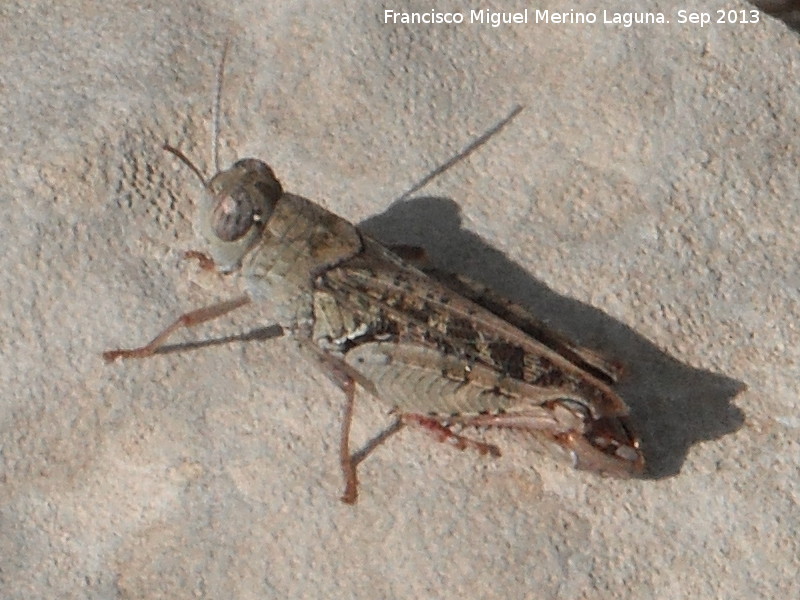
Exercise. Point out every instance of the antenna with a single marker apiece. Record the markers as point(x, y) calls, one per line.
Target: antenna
point(187, 162)
point(469, 149)
point(216, 109)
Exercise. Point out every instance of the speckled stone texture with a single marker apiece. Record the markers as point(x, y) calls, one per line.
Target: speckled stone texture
point(644, 202)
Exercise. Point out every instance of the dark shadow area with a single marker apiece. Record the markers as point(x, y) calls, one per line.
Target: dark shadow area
point(787, 11)
point(673, 405)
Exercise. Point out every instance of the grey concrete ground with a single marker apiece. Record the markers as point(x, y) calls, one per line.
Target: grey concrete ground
point(645, 202)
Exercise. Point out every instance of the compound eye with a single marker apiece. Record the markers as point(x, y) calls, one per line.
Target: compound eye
point(233, 215)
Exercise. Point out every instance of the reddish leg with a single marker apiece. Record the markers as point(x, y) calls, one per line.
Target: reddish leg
point(341, 374)
point(189, 319)
point(442, 433)
point(350, 494)
point(204, 260)
point(348, 461)
point(346, 379)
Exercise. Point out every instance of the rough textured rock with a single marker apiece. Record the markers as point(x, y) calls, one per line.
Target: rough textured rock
point(644, 202)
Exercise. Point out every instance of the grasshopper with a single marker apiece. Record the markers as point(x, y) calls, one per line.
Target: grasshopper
point(443, 353)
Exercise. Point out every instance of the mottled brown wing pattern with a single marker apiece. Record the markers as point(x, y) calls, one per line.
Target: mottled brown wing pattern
point(592, 362)
point(392, 301)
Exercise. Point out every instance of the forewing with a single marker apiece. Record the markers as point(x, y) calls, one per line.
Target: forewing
point(408, 328)
point(587, 359)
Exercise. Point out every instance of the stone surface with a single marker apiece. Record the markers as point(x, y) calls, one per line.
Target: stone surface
point(644, 202)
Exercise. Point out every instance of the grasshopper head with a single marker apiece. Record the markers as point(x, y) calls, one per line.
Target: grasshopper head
point(236, 205)
point(237, 202)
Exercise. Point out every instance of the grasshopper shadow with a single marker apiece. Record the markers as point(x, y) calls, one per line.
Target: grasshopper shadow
point(673, 405)
point(787, 11)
